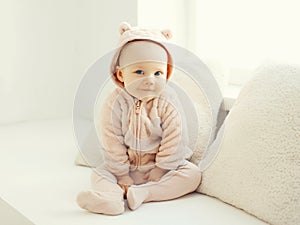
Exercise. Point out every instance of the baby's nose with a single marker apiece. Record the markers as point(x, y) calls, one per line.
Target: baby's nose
point(148, 81)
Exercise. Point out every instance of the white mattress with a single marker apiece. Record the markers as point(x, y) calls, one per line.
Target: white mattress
point(40, 181)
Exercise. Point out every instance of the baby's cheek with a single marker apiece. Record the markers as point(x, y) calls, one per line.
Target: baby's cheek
point(160, 84)
point(128, 81)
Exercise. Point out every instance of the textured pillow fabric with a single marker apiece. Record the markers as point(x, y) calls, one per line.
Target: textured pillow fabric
point(199, 119)
point(257, 167)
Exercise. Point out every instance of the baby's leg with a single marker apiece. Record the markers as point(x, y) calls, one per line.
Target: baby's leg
point(174, 184)
point(106, 196)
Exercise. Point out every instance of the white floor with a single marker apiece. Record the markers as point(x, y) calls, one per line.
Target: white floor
point(40, 181)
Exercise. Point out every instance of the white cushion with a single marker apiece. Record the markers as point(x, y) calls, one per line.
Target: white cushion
point(40, 181)
point(257, 167)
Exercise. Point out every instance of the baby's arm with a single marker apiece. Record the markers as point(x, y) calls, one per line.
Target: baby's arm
point(115, 152)
point(171, 153)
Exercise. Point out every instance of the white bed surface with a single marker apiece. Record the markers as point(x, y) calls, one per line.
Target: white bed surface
point(40, 180)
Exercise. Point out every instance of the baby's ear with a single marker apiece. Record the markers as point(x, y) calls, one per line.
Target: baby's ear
point(124, 26)
point(119, 74)
point(167, 33)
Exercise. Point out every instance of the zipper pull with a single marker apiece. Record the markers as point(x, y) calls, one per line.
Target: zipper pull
point(138, 107)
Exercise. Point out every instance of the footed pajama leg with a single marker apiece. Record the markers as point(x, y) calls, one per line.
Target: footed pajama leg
point(106, 196)
point(174, 184)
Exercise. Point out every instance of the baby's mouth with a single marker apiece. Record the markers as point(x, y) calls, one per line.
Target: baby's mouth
point(147, 89)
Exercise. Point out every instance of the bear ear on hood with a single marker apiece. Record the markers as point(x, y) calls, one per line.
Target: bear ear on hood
point(124, 26)
point(167, 33)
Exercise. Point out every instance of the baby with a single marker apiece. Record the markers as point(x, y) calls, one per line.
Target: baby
point(142, 130)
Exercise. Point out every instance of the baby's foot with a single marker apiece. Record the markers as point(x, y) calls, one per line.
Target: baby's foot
point(136, 196)
point(103, 203)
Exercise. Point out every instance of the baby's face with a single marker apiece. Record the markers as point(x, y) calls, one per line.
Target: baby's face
point(144, 80)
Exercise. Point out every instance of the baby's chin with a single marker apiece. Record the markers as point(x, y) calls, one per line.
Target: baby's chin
point(148, 98)
point(144, 95)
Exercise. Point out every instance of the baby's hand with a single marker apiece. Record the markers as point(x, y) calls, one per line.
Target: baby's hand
point(155, 174)
point(124, 182)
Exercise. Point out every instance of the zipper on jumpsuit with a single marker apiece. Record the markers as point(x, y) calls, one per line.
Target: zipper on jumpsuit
point(138, 105)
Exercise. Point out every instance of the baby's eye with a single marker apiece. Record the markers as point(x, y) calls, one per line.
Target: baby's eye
point(158, 73)
point(139, 72)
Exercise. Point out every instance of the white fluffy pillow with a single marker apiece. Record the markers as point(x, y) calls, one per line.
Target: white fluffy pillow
point(257, 167)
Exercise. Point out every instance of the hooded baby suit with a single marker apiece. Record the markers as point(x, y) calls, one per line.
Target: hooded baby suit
point(142, 133)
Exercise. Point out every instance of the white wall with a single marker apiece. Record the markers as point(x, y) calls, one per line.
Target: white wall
point(170, 14)
point(46, 45)
point(243, 34)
